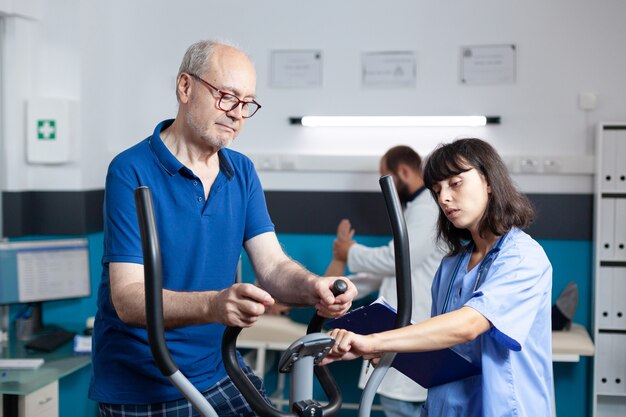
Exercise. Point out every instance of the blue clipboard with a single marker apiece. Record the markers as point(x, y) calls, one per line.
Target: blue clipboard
point(428, 369)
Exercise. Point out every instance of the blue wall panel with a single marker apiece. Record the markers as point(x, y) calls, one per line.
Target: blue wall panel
point(572, 261)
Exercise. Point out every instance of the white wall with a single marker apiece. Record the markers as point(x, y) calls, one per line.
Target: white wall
point(119, 58)
point(40, 58)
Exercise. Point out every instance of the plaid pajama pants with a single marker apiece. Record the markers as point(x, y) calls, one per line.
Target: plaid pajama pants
point(224, 397)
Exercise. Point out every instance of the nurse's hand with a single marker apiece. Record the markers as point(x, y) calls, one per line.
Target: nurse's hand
point(350, 346)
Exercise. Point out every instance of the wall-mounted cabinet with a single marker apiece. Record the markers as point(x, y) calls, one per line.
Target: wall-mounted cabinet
point(609, 393)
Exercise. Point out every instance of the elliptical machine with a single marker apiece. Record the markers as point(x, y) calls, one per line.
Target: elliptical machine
point(301, 358)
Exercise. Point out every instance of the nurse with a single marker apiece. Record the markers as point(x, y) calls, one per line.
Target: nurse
point(491, 294)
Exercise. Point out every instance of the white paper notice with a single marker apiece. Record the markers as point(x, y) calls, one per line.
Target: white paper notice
point(490, 64)
point(296, 69)
point(389, 69)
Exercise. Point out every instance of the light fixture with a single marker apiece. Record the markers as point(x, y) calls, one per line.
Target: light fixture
point(394, 121)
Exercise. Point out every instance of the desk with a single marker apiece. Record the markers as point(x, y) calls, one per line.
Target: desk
point(20, 387)
point(569, 346)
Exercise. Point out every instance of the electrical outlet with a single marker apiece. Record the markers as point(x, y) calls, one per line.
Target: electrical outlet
point(529, 166)
point(266, 162)
point(511, 163)
point(587, 101)
point(551, 166)
point(287, 163)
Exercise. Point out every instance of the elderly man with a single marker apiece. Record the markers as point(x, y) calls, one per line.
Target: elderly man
point(208, 204)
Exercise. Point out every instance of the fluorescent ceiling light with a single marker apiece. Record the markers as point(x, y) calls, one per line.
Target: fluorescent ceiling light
point(394, 121)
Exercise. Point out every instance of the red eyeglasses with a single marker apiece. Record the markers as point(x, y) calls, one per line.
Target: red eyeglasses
point(229, 102)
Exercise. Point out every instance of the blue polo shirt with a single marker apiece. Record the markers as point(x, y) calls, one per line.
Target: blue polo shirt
point(200, 244)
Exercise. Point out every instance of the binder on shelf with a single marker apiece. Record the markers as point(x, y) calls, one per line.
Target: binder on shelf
point(428, 369)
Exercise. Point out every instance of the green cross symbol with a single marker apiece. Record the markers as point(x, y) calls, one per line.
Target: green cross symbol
point(46, 129)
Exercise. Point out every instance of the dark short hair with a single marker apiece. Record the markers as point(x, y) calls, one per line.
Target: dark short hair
point(506, 207)
point(402, 154)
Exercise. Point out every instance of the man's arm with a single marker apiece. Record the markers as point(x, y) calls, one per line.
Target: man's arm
point(378, 260)
point(239, 305)
point(290, 283)
point(365, 283)
point(335, 268)
point(341, 245)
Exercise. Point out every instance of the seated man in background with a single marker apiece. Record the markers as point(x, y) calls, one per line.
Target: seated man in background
point(374, 268)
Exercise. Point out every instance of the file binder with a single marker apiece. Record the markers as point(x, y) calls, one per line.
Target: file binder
point(428, 369)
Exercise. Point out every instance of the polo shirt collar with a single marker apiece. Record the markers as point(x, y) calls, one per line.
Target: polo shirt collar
point(172, 165)
point(225, 164)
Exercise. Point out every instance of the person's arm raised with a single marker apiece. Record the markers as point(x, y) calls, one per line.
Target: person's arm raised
point(338, 263)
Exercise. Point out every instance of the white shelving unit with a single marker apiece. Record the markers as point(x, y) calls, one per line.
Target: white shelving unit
point(609, 391)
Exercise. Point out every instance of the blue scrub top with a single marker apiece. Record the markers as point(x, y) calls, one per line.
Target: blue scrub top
point(201, 242)
point(516, 353)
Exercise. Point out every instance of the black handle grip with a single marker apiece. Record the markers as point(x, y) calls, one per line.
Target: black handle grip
point(322, 373)
point(249, 391)
point(153, 281)
point(315, 325)
point(241, 381)
point(339, 287)
point(332, 391)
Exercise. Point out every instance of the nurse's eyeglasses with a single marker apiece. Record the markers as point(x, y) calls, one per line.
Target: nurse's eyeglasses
point(229, 102)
